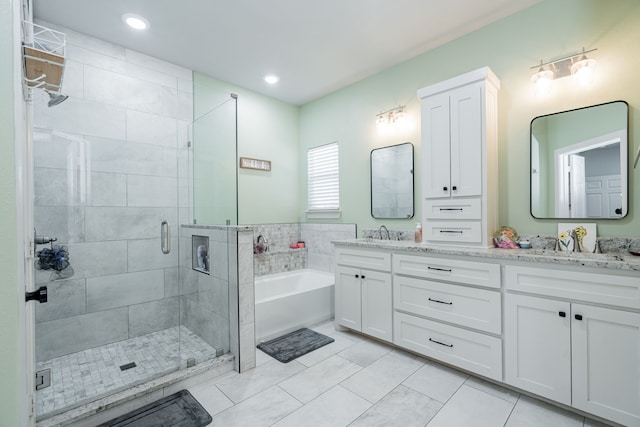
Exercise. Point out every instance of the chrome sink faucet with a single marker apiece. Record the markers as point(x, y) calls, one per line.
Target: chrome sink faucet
point(386, 230)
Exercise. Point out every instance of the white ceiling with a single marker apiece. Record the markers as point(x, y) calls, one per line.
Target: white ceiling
point(315, 47)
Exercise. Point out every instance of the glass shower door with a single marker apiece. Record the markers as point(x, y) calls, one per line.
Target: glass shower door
point(113, 315)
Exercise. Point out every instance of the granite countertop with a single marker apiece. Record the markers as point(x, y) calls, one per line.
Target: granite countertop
point(620, 261)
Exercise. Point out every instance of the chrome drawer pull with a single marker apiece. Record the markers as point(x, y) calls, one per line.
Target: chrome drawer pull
point(441, 343)
point(440, 302)
point(448, 270)
point(452, 231)
point(451, 209)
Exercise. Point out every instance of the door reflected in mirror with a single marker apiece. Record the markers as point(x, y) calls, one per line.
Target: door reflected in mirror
point(392, 182)
point(579, 163)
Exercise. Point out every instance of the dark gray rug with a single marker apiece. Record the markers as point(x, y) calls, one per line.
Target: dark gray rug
point(180, 409)
point(294, 344)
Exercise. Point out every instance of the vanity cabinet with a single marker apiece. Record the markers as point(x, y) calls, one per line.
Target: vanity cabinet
point(459, 159)
point(440, 313)
point(363, 292)
point(562, 345)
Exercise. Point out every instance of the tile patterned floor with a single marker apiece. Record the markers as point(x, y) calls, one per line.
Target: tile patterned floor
point(88, 375)
point(358, 382)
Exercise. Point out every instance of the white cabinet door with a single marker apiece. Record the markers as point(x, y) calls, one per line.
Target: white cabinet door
point(537, 346)
point(466, 141)
point(377, 307)
point(348, 297)
point(436, 143)
point(606, 363)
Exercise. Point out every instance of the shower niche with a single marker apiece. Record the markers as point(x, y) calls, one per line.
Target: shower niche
point(200, 253)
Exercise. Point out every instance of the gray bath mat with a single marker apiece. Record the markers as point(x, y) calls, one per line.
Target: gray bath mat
point(180, 409)
point(295, 344)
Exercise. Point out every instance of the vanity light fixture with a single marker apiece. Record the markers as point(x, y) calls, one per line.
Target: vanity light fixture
point(584, 70)
point(391, 117)
point(542, 80)
point(136, 22)
point(577, 65)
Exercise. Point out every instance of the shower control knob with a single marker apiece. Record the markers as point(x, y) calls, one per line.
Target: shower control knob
point(39, 295)
point(444, 188)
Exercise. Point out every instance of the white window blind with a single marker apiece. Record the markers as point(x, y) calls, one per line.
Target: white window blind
point(324, 178)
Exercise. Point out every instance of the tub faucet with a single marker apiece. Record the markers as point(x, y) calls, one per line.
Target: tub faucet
point(264, 245)
point(386, 230)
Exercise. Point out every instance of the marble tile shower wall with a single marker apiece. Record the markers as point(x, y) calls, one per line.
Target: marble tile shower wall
point(110, 165)
point(317, 253)
point(205, 297)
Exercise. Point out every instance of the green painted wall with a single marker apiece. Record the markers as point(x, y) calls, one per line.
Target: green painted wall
point(11, 390)
point(510, 47)
point(267, 130)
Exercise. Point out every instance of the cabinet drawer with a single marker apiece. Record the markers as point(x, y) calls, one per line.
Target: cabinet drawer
point(373, 260)
point(454, 231)
point(467, 272)
point(474, 308)
point(468, 350)
point(453, 209)
point(623, 291)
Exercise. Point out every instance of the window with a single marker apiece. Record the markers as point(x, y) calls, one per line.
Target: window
point(323, 182)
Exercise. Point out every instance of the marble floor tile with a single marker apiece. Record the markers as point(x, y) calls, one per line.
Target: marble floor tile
point(319, 378)
point(262, 357)
point(328, 328)
point(470, 407)
point(436, 381)
point(336, 407)
point(262, 409)
point(339, 344)
point(211, 398)
point(258, 379)
point(529, 412)
point(365, 352)
point(593, 423)
point(403, 407)
point(382, 376)
point(494, 389)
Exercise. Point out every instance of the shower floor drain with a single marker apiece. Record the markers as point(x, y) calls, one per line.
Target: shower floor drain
point(128, 366)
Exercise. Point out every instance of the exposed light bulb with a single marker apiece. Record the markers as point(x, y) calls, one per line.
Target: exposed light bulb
point(584, 70)
point(542, 81)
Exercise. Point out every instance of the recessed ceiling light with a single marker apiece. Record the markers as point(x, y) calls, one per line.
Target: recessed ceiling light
point(135, 21)
point(271, 79)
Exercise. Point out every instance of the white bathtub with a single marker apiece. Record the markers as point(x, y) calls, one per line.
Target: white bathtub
point(292, 300)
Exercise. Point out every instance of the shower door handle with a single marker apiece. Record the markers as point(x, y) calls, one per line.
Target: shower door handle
point(165, 237)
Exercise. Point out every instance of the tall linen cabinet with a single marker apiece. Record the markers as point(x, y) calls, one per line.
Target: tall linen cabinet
point(460, 160)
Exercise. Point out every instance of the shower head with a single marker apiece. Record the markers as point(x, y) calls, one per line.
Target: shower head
point(56, 99)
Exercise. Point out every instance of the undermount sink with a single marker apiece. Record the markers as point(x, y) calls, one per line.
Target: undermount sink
point(575, 255)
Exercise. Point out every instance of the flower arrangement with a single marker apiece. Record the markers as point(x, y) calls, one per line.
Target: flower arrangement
point(577, 237)
point(505, 238)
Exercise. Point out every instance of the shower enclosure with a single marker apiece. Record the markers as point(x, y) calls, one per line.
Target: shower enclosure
point(113, 180)
point(215, 191)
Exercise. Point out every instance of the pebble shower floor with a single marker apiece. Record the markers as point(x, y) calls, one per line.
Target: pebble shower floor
point(82, 377)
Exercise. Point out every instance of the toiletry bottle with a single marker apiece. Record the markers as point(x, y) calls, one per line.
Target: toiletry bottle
point(418, 235)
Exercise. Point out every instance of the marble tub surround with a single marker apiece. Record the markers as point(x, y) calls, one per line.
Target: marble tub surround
point(318, 238)
point(317, 253)
point(619, 261)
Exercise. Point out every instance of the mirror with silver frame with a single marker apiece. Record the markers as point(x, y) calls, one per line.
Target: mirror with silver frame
point(579, 163)
point(392, 182)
